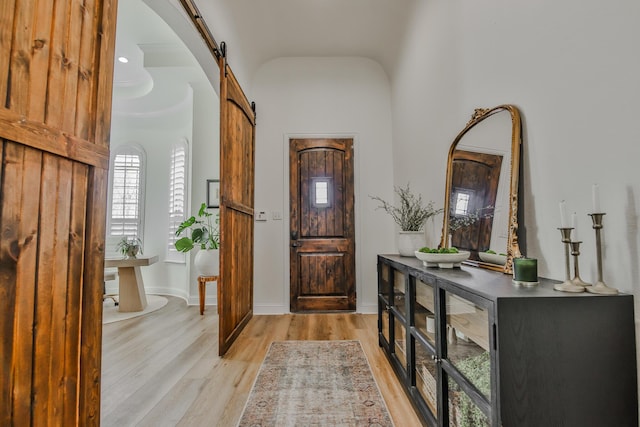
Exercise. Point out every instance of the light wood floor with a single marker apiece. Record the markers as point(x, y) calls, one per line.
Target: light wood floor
point(163, 369)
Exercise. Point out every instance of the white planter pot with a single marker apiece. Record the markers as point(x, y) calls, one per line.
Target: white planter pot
point(207, 262)
point(410, 241)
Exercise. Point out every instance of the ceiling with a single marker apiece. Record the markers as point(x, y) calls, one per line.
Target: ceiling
point(267, 29)
point(155, 80)
point(160, 69)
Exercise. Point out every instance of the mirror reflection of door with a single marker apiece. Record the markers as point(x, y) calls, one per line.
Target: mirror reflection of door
point(473, 199)
point(322, 237)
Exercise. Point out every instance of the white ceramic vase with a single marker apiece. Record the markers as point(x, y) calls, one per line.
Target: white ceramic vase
point(207, 262)
point(410, 241)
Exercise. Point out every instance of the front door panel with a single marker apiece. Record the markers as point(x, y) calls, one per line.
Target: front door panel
point(322, 225)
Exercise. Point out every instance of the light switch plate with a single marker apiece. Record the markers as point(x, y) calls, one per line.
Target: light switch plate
point(261, 216)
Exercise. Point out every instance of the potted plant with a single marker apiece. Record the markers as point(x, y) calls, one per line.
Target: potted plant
point(129, 246)
point(410, 216)
point(206, 236)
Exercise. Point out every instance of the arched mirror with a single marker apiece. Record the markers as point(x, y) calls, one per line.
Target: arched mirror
point(482, 189)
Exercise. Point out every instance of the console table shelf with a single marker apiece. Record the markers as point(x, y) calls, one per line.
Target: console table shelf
point(470, 348)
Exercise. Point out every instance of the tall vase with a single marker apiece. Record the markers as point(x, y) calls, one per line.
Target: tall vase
point(207, 262)
point(410, 241)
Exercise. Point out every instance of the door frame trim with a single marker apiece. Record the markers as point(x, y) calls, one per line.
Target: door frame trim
point(286, 223)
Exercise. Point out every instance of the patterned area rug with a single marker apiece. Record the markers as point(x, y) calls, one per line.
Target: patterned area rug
point(315, 383)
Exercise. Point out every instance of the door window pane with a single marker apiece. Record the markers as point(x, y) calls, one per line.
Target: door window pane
point(321, 191)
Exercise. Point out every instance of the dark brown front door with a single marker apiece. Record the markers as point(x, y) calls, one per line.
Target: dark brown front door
point(322, 238)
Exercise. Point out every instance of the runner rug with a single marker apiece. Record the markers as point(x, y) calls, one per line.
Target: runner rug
point(315, 383)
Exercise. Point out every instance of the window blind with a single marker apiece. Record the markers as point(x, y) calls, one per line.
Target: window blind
point(127, 198)
point(177, 196)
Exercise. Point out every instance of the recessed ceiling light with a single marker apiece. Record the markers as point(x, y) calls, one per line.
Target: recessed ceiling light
point(123, 59)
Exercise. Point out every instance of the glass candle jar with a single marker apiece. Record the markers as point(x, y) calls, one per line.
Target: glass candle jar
point(525, 271)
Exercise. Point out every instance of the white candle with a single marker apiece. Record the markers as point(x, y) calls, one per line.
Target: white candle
point(574, 224)
point(595, 198)
point(563, 214)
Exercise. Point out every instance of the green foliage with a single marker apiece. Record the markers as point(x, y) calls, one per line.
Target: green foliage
point(450, 250)
point(411, 214)
point(204, 232)
point(489, 251)
point(129, 246)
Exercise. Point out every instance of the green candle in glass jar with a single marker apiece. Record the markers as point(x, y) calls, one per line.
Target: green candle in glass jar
point(525, 270)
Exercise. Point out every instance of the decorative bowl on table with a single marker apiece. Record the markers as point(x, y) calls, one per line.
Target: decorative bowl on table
point(442, 260)
point(493, 258)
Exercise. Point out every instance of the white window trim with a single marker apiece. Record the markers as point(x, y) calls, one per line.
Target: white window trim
point(171, 255)
point(135, 149)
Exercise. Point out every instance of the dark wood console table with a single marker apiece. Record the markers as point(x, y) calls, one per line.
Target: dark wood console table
point(470, 348)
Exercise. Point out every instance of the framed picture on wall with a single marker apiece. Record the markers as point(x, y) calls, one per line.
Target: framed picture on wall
point(213, 193)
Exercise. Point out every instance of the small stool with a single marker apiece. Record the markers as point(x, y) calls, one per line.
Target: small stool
point(202, 281)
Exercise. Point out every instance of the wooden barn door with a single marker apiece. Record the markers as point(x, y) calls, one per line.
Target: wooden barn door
point(237, 138)
point(56, 68)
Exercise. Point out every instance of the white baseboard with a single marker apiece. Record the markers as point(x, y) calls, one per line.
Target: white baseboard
point(270, 309)
point(195, 300)
point(368, 309)
point(213, 301)
point(113, 290)
point(167, 291)
point(280, 309)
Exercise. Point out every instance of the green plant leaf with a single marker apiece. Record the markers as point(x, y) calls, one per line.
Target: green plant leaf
point(202, 213)
point(184, 245)
point(203, 232)
point(186, 224)
point(197, 235)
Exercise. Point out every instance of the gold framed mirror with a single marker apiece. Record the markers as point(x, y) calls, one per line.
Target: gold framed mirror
point(481, 193)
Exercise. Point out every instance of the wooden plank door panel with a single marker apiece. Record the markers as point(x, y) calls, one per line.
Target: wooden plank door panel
point(56, 64)
point(237, 165)
point(322, 255)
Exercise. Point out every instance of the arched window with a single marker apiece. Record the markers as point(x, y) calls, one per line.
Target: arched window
point(178, 173)
point(126, 200)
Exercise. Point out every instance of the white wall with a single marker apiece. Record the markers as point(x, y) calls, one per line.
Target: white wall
point(205, 164)
point(198, 122)
point(156, 134)
point(320, 97)
point(572, 69)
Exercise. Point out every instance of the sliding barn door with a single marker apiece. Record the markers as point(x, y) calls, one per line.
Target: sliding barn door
point(56, 62)
point(237, 138)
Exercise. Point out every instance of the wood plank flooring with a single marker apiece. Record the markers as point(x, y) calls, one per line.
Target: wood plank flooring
point(163, 369)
